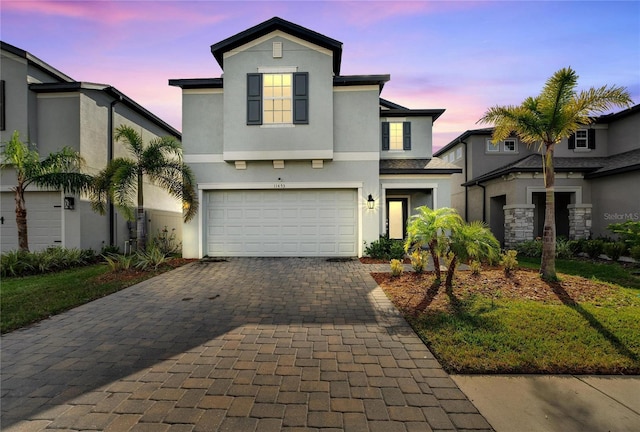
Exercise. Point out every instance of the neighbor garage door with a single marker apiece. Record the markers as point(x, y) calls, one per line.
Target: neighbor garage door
point(44, 220)
point(314, 222)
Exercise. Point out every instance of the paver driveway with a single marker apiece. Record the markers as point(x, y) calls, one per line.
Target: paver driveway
point(243, 345)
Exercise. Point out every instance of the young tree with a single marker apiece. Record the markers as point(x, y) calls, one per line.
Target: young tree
point(556, 113)
point(470, 241)
point(59, 170)
point(121, 181)
point(427, 228)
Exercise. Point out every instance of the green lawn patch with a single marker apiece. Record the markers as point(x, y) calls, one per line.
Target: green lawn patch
point(25, 300)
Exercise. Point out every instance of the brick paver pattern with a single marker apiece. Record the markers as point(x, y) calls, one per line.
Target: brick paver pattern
point(282, 344)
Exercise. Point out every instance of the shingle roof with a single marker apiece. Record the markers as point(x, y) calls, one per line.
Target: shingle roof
point(417, 166)
point(592, 166)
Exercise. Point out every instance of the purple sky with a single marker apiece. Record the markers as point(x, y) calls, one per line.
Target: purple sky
point(461, 56)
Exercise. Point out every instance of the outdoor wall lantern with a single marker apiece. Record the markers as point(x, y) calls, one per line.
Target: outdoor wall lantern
point(69, 203)
point(371, 203)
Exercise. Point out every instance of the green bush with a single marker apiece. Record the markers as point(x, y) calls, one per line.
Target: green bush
point(20, 263)
point(386, 249)
point(419, 260)
point(117, 262)
point(576, 246)
point(594, 248)
point(614, 250)
point(530, 248)
point(152, 257)
point(635, 253)
point(628, 232)
point(563, 248)
point(165, 241)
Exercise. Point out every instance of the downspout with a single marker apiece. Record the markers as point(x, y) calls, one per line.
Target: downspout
point(112, 214)
point(466, 178)
point(484, 201)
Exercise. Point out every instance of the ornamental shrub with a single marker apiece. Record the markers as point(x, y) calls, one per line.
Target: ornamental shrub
point(386, 249)
point(614, 250)
point(419, 260)
point(396, 267)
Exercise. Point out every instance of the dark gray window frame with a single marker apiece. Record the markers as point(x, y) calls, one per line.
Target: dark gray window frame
point(300, 98)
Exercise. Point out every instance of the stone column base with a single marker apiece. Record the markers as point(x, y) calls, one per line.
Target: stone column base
point(518, 224)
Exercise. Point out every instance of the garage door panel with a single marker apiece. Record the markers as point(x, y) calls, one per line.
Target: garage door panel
point(282, 223)
point(44, 220)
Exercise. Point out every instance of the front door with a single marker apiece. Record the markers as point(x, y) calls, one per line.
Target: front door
point(397, 217)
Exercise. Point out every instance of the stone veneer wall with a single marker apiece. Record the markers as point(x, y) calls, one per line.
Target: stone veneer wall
point(579, 221)
point(518, 224)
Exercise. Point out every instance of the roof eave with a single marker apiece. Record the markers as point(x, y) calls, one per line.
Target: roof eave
point(197, 83)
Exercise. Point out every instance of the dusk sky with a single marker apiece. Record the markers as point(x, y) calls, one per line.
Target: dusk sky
point(463, 56)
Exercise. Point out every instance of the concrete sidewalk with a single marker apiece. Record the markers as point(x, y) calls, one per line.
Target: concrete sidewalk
point(567, 403)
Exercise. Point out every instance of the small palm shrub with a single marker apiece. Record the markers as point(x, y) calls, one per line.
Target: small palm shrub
point(117, 262)
point(153, 257)
point(396, 267)
point(419, 260)
point(628, 232)
point(475, 267)
point(509, 262)
point(614, 250)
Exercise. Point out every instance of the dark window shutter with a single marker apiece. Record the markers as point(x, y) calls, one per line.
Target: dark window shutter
point(254, 99)
point(385, 136)
point(406, 136)
point(301, 98)
point(592, 139)
point(572, 141)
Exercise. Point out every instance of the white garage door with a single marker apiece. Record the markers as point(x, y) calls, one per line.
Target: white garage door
point(314, 222)
point(44, 220)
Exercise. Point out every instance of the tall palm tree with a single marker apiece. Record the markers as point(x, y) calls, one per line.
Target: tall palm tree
point(470, 241)
point(427, 228)
point(121, 182)
point(556, 113)
point(59, 170)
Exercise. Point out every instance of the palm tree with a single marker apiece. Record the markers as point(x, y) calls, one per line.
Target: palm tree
point(59, 170)
point(121, 181)
point(556, 113)
point(427, 228)
point(470, 241)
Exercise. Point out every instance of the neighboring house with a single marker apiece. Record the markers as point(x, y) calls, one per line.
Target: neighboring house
point(51, 110)
point(597, 173)
point(289, 155)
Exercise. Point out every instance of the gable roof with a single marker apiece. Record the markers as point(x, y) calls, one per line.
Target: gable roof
point(592, 167)
point(274, 24)
point(35, 61)
point(76, 86)
point(462, 137)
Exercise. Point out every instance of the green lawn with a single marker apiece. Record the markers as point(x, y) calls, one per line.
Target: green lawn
point(29, 299)
point(526, 336)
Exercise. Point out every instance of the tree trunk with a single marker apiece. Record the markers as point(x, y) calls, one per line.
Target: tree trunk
point(140, 219)
point(548, 262)
point(450, 271)
point(21, 219)
point(433, 245)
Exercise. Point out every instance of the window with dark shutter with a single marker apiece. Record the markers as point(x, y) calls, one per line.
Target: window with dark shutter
point(406, 136)
point(572, 141)
point(385, 135)
point(301, 98)
point(254, 99)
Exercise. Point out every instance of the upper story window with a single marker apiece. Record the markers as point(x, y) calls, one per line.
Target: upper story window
point(277, 91)
point(583, 140)
point(492, 148)
point(396, 136)
point(510, 145)
point(459, 153)
point(278, 98)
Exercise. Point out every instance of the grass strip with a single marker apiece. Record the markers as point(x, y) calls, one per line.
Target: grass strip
point(29, 299)
point(615, 273)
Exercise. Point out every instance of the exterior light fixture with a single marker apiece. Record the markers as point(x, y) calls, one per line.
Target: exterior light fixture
point(371, 203)
point(69, 203)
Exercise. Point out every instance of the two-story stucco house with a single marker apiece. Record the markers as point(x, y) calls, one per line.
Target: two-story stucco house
point(294, 159)
point(597, 170)
point(50, 110)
